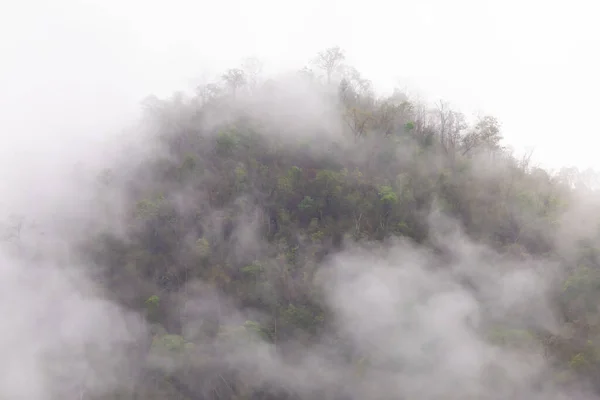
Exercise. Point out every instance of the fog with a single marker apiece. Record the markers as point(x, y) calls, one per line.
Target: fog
point(101, 58)
point(72, 80)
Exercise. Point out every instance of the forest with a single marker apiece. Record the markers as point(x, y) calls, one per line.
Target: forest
point(303, 237)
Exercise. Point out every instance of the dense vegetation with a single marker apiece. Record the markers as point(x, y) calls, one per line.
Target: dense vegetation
point(249, 227)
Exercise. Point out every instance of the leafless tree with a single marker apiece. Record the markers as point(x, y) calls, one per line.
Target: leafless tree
point(330, 60)
point(253, 67)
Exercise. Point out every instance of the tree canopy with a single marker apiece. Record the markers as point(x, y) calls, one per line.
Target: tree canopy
point(302, 237)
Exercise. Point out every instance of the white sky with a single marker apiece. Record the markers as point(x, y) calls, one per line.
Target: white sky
point(71, 68)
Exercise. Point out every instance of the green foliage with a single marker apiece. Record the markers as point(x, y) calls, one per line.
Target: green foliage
point(149, 208)
point(252, 215)
point(249, 331)
point(169, 344)
point(153, 301)
point(188, 167)
point(294, 174)
point(512, 337)
point(202, 248)
point(579, 361)
point(317, 236)
point(300, 317)
point(240, 176)
point(226, 143)
point(387, 195)
point(256, 330)
point(307, 204)
point(253, 269)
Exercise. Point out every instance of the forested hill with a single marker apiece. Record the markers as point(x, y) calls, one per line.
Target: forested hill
point(302, 237)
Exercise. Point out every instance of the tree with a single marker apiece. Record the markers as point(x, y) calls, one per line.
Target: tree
point(485, 134)
point(254, 222)
point(208, 92)
point(234, 78)
point(450, 126)
point(330, 60)
point(488, 129)
point(252, 67)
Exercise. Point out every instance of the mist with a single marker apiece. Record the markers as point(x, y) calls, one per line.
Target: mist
point(176, 229)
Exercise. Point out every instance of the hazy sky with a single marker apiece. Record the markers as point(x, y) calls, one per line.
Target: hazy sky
point(71, 69)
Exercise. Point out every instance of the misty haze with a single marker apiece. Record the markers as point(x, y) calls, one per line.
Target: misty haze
point(265, 226)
